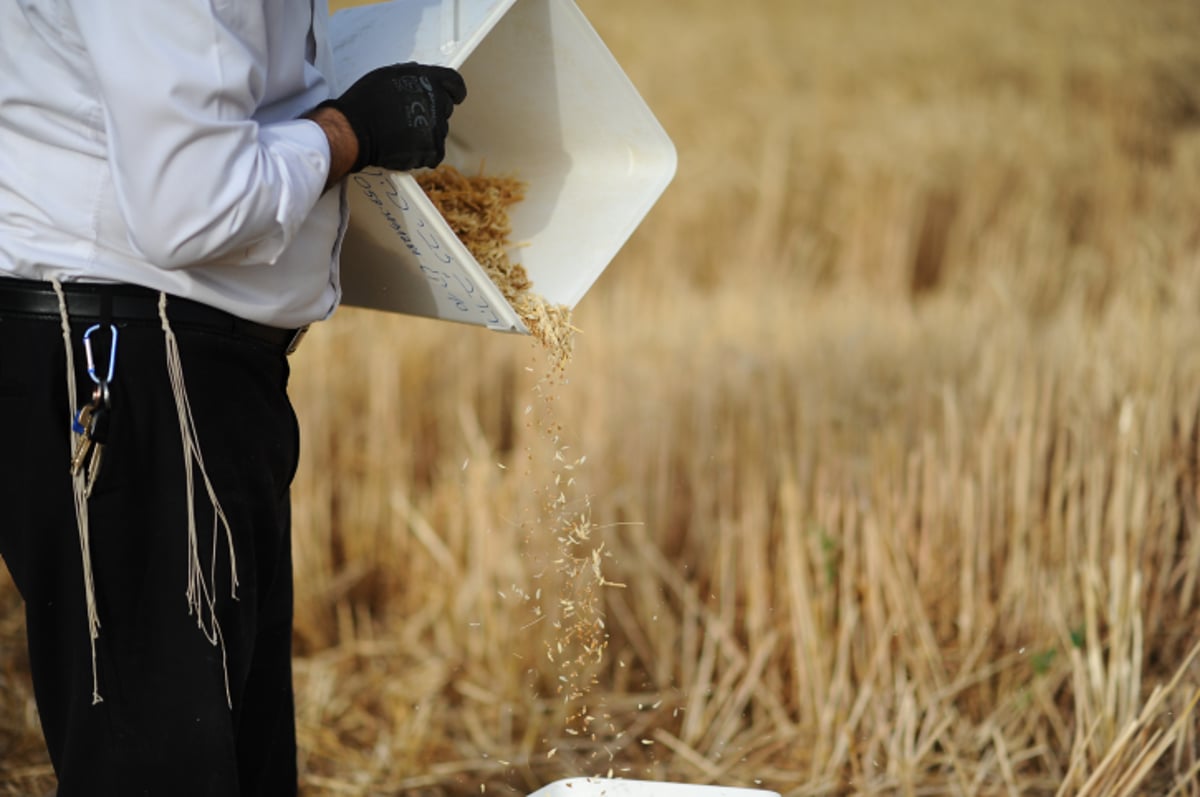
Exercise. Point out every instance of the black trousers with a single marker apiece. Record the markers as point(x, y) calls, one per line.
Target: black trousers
point(164, 726)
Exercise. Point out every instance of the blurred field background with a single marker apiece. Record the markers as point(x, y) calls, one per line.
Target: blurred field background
point(877, 468)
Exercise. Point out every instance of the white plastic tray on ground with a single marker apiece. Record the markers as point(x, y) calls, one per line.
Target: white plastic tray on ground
point(547, 104)
point(609, 787)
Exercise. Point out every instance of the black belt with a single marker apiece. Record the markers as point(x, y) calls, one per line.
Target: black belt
point(85, 300)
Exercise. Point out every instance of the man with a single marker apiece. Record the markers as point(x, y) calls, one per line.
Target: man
point(170, 220)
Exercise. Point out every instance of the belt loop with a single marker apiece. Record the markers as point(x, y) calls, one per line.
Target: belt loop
point(106, 305)
point(106, 323)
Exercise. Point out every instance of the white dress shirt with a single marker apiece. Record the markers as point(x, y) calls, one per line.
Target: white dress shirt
point(156, 142)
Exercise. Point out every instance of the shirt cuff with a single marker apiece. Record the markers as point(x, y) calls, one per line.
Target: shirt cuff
point(301, 152)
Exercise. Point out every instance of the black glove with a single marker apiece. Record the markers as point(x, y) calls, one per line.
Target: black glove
point(400, 114)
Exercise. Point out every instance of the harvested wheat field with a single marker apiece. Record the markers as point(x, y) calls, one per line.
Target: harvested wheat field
point(876, 469)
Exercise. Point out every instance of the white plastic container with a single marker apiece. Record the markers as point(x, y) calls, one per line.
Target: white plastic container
point(606, 787)
point(548, 104)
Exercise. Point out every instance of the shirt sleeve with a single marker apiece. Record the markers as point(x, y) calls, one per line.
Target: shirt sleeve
point(196, 178)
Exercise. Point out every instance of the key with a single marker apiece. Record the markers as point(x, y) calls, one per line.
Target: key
point(82, 419)
point(93, 469)
point(98, 430)
point(82, 426)
point(98, 434)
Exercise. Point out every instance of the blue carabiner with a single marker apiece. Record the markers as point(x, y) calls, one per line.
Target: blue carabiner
point(112, 354)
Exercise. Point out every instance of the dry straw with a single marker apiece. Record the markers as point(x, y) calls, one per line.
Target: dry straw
point(477, 209)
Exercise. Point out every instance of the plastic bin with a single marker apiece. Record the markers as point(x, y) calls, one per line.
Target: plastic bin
point(548, 104)
point(607, 787)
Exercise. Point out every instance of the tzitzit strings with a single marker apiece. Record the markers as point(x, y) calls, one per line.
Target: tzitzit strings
point(80, 490)
point(202, 601)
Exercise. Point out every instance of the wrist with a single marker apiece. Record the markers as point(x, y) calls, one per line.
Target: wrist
point(343, 142)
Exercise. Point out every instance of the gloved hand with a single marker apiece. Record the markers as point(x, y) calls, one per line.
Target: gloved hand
point(400, 114)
